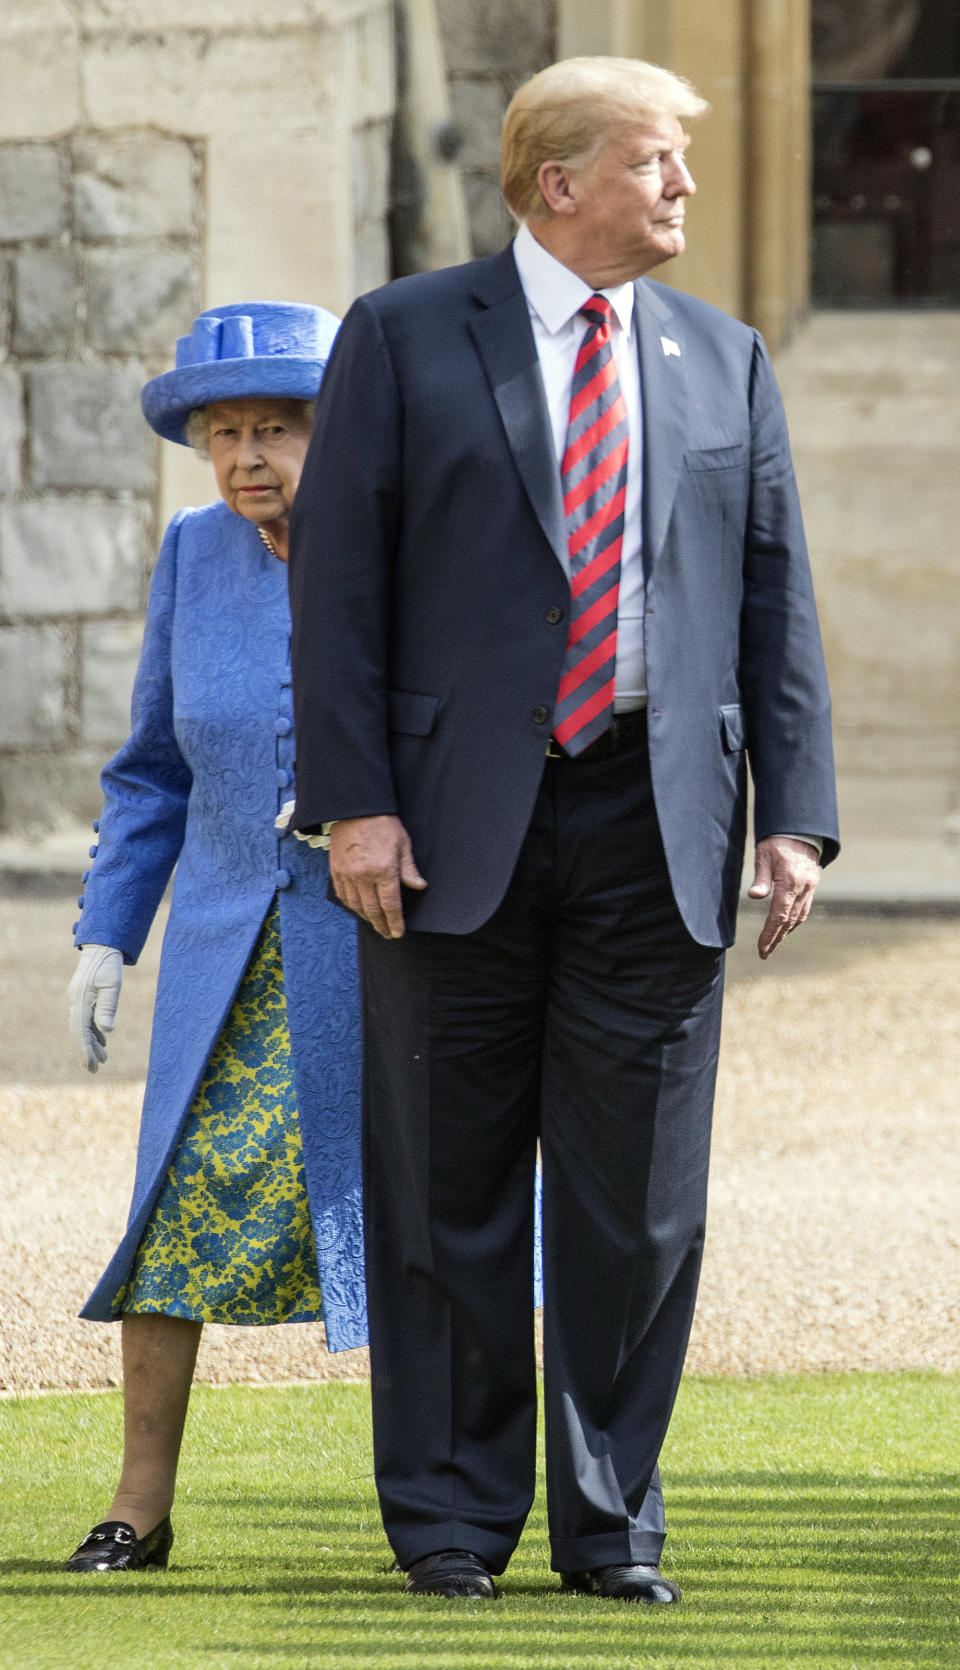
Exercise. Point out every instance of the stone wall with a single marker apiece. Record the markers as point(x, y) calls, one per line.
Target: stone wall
point(156, 157)
point(100, 269)
point(490, 49)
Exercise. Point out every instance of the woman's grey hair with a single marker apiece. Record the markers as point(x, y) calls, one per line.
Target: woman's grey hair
point(196, 430)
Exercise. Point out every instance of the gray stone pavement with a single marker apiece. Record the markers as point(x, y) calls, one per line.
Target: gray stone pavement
point(835, 1198)
point(899, 853)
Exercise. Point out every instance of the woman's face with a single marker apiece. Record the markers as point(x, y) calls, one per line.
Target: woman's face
point(257, 448)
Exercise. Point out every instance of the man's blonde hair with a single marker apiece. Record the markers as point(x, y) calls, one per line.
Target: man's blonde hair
point(568, 111)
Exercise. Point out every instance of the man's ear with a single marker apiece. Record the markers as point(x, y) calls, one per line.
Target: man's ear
point(555, 182)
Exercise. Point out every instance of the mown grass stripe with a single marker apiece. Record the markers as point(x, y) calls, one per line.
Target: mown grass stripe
point(813, 1523)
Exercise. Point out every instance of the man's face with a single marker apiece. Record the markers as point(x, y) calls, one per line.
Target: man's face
point(630, 199)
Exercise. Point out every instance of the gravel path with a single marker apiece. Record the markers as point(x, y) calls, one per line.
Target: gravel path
point(834, 1235)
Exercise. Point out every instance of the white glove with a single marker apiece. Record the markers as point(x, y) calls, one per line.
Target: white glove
point(94, 994)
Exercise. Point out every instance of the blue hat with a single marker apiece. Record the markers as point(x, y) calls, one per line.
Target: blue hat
point(276, 349)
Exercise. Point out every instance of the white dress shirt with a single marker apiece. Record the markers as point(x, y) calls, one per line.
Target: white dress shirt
point(555, 296)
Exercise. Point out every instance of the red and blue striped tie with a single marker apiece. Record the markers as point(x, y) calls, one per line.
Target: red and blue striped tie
point(594, 478)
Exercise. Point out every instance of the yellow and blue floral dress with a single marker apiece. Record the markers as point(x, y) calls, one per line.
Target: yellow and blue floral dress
point(230, 1239)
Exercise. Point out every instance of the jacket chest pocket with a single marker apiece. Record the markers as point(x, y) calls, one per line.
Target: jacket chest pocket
point(718, 457)
point(716, 486)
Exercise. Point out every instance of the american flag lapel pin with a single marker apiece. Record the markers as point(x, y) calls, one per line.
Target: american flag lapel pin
point(669, 346)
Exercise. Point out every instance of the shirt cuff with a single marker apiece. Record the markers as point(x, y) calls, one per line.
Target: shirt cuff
point(315, 838)
point(312, 837)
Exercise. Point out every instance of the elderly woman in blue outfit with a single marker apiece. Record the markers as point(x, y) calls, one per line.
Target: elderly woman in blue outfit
point(246, 1205)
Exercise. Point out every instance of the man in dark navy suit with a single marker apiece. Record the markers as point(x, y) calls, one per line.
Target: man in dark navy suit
point(550, 593)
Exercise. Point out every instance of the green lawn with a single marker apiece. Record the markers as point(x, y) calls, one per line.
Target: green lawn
point(814, 1522)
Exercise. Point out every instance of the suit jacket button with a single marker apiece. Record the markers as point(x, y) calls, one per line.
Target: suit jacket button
point(540, 715)
point(283, 726)
point(281, 879)
point(554, 615)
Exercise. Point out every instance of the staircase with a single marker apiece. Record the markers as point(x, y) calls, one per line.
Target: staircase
point(873, 402)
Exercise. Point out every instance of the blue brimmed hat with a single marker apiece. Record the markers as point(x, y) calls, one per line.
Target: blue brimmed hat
point(271, 349)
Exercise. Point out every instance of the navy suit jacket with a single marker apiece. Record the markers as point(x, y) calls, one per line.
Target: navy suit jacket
point(426, 573)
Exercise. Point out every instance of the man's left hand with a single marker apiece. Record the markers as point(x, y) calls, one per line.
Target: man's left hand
point(791, 870)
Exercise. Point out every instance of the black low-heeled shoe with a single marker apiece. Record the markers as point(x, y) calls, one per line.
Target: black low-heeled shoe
point(113, 1545)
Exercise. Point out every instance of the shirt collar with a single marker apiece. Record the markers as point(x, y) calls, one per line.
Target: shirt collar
point(555, 293)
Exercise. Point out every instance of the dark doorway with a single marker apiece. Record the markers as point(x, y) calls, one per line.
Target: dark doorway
point(886, 153)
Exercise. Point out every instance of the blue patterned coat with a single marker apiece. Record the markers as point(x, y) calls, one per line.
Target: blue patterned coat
point(198, 785)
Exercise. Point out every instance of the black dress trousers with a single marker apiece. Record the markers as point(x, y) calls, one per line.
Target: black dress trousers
point(583, 1016)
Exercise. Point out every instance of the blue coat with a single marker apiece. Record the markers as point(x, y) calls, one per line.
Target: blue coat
point(198, 784)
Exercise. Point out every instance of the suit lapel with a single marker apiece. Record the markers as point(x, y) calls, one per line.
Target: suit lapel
point(663, 383)
point(504, 341)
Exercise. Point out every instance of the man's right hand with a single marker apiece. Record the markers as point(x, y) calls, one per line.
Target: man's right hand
point(369, 860)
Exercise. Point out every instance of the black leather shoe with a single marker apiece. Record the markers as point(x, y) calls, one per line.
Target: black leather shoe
point(642, 1583)
point(114, 1545)
point(452, 1573)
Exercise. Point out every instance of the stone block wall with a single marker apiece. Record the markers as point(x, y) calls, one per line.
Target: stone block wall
point(156, 157)
point(490, 49)
point(101, 268)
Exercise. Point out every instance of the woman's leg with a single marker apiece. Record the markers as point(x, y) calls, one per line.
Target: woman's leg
point(159, 1354)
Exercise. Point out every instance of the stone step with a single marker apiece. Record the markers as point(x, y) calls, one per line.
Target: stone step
point(858, 421)
point(873, 356)
point(875, 429)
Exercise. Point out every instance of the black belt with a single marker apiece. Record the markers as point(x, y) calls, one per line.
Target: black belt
point(624, 731)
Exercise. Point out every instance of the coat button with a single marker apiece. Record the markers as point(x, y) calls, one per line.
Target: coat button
point(283, 778)
point(80, 902)
point(540, 715)
point(75, 927)
point(96, 826)
point(93, 852)
point(554, 615)
point(281, 879)
point(85, 876)
point(283, 726)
